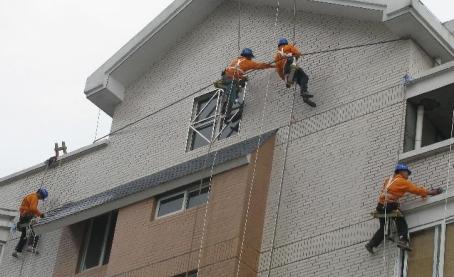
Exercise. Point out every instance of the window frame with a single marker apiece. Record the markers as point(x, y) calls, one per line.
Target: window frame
point(194, 186)
point(158, 205)
point(86, 242)
point(409, 97)
point(2, 250)
point(439, 245)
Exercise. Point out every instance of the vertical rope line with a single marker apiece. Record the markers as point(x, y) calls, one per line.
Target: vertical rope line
point(294, 22)
point(97, 125)
point(239, 26)
point(281, 183)
point(199, 258)
point(448, 179)
point(262, 119)
point(386, 227)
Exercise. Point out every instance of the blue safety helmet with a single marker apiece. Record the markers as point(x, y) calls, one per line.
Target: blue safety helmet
point(282, 41)
point(247, 52)
point(43, 192)
point(402, 167)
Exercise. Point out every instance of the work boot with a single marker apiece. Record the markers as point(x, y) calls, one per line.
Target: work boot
point(305, 94)
point(15, 254)
point(309, 102)
point(404, 244)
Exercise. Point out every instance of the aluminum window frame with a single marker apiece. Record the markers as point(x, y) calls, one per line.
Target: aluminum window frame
point(2, 250)
point(195, 186)
point(439, 246)
point(88, 234)
point(158, 205)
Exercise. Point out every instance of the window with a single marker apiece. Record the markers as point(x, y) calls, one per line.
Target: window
point(98, 241)
point(423, 260)
point(448, 269)
point(1, 251)
point(192, 195)
point(188, 274)
point(208, 122)
point(428, 118)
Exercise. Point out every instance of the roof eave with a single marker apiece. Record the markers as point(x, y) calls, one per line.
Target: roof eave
point(406, 18)
point(413, 20)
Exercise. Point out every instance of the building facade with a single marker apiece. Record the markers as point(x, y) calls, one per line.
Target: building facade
point(291, 193)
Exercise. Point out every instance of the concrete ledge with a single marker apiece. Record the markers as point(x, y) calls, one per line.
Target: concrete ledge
point(422, 212)
point(431, 80)
point(426, 151)
point(39, 167)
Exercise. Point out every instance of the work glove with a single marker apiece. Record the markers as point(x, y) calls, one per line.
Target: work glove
point(436, 191)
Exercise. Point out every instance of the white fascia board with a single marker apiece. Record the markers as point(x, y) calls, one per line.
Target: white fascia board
point(131, 199)
point(432, 79)
point(413, 20)
point(106, 86)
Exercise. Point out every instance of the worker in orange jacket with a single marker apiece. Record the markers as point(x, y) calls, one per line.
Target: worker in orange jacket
point(29, 210)
point(235, 75)
point(285, 60)
point(393, 189)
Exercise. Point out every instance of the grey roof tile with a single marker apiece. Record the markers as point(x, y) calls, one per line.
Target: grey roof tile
point(226, 154)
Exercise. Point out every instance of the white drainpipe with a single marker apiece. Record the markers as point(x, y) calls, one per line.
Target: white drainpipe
point(419, 124)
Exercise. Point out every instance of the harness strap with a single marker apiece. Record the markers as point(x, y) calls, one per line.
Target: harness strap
point(237, 66)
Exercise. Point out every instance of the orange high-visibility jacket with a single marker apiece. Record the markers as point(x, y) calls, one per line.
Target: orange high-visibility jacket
point(30, 205)
point(240, 66)
point(283, 52)
point(396, 186)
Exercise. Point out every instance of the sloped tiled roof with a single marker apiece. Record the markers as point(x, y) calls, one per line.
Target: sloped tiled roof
point(229, 153)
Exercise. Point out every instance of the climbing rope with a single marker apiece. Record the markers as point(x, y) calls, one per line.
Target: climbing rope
point(97, 125)
point(385, 229)
point(281, 183)
point(448, 178)
point(239, 26)
point(254, 170)
point(212, 140)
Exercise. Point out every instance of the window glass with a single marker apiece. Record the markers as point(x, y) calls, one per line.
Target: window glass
point(208, 110)
point(197, 140)
point(421, 259)
point(1, 252)
point(113, 223)
point(96, 241)
point(449, 251)
point(432, 113)
point(170, 205)
point(192, 273)
point(197, 197)
point(187, 274)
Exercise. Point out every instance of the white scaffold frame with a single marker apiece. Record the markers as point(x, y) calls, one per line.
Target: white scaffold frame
point(217, 119)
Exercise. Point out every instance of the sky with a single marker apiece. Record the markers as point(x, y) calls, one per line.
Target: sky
point(47, 50)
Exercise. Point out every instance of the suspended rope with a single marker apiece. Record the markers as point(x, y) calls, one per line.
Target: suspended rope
point(284, 166)
point(239, 26)
point(448, 178)
point(254, 170)
point(386, 227)
point(210, 182)
point(97, 125)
